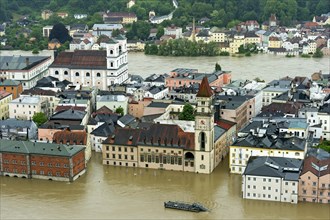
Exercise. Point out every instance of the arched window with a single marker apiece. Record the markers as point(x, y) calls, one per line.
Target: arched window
point(65, 72)
point(202, 140)
point(111, 64)
point(56, 72)
point(111, 51)
point(98, 74)
point(87, 74)
point(77, 74)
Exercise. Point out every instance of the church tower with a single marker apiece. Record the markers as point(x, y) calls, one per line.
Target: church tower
point(204, 129)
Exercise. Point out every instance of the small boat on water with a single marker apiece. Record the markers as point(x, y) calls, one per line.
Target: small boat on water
point(194, 207)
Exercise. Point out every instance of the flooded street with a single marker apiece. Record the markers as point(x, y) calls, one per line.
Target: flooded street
point(107, 192)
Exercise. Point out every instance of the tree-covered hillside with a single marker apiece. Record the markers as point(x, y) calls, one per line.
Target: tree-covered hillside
point(221, 12)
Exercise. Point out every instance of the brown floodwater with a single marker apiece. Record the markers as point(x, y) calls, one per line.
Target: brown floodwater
point(107, 192)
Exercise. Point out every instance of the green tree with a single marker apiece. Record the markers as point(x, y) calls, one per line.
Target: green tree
point(39, 118)
point(120, 111)
point(187, 113)
point(318, 53)
point(217, 67)
point(60, 32)
point(325, 145)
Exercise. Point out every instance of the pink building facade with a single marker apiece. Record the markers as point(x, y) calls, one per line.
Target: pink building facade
point(185, 77)
point(314, 181)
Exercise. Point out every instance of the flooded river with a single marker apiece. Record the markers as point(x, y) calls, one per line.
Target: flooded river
point(106, 192)
point(264, 66)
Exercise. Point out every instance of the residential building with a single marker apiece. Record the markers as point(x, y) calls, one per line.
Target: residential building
point(113, 102)
point(105, 29)
point(173, 30)
point(185, 77)
point(251, 38)
point(261, 144)
point(48, 95)
point(119, 17)
point(41, 160)
point(275, 88)
point(237, 109)
point(75, 120)
point(14, 129)
point(25, 107)
point(314, 181)
point(80, 16)
point(274, 42)
point(237, 41)
point(78, 138)
point(271, 179)
point(217, 35)
point(25, 69)
point(324, 118)
point(45, 14)
point(62, 14)
point(93, 68)
point(5, 99)
point(136, 108)
point(100, 134)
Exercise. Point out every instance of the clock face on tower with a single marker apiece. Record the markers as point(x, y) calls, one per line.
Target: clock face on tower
point(202, 122)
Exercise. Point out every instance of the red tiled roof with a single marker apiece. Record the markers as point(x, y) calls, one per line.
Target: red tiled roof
point(81, 59)
point(320, 163)
point(61, 108)
point(155, 135)
point(225, 124)
point(73, 138)
point(204, 89)
point(103, 110)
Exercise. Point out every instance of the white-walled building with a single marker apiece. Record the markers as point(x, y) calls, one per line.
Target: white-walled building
point(94, 68)
point(252, 145)
point(174, 31)
point(113, 102)
point(26, 69)
point(25, 107)
point(271, 179)
point(324, 117)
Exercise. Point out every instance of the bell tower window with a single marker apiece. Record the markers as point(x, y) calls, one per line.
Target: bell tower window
point(202, 140)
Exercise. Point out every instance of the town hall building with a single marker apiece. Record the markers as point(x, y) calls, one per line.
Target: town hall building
point(94, 68)
point(168, 147)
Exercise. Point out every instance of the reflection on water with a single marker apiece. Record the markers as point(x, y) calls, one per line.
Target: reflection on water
point(107, 192)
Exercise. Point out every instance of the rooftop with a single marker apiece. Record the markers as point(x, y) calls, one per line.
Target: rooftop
point(20, 62)
point(280, 167)
point(27, 147)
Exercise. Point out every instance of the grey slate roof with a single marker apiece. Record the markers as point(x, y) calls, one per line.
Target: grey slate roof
point(69, 115)
point(27, 147)
point(218, 132)
point(104, 130)
point(158, 105)
point(14, 123)
point(286, 168)
point(9, 82)
point(269, 142)
point(126, 119)
point(19, 62)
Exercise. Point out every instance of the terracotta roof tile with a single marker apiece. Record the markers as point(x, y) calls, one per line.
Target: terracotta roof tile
point(204, 89)
point(73, 138)
point(81, 59)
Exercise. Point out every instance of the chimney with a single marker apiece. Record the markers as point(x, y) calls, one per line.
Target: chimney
point(27, 61)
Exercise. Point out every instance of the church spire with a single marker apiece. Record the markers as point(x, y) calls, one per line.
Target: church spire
point(204, 89)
